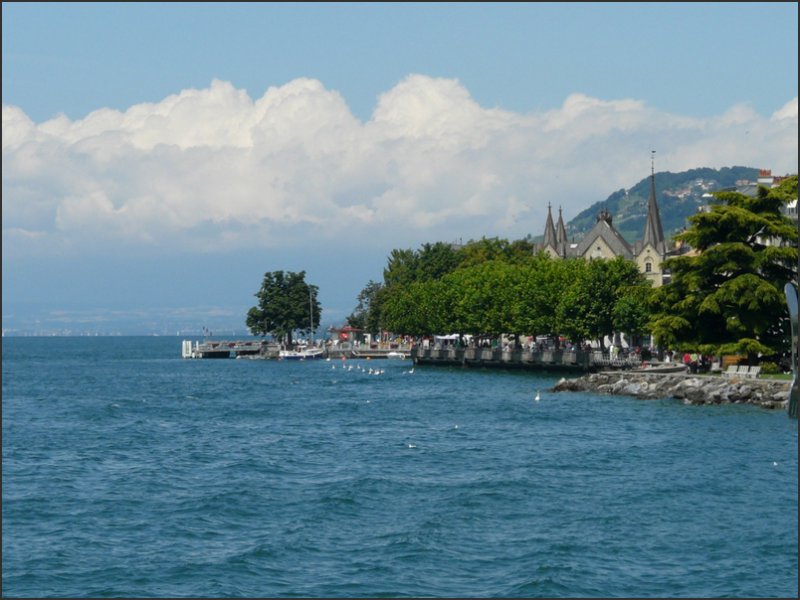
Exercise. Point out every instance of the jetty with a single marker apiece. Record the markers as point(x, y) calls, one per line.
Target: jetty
point(263, 349)
point(224, 348)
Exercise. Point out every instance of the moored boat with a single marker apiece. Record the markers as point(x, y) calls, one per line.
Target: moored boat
point(302, 354)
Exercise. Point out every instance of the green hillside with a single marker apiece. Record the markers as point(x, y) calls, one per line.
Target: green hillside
point(679, 195)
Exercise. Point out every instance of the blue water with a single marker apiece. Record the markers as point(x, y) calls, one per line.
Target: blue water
point(128, 471)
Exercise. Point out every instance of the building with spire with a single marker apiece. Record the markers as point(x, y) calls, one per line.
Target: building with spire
point(604, 241)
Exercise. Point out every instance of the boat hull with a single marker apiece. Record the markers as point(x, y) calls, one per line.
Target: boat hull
point(300, 354)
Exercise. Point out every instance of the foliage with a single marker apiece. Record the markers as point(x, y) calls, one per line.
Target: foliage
point(285, 303)
point(484, 298)
point(418, 309)
point(495, 249)
point(603, 296)
point(432, 261)
point(367, 314)
point(727, 295)
point(501, 288)
point(770, 368)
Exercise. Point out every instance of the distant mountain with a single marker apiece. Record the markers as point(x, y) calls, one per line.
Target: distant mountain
point(679, 195)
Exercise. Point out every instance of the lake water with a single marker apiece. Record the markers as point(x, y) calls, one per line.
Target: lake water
point(128, 471)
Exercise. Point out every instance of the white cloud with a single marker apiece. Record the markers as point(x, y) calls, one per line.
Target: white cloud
point(787, 111)
point(211, 168)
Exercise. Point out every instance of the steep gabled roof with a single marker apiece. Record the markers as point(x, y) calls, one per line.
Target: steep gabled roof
point(604, 230)
point(653, 232)
point(561, 235)
point(550, 238)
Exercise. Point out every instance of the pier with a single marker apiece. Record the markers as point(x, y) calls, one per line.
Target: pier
point(578, 361)
point(225, 349)
point(270, 350)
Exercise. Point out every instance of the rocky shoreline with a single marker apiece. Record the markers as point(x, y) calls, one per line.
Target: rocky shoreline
point(766, 393)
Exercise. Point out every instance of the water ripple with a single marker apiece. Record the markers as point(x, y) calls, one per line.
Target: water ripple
point(131, 472)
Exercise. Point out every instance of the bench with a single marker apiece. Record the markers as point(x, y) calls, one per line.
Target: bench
point(753, 373)
point(732, 371)
point(743, 371)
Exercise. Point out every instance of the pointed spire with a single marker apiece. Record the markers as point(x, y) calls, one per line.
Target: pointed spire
point(549, 231)
point(561, 235)
point(653, 232)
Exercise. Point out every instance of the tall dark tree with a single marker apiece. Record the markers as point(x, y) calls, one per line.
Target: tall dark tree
point(285, 303)
point(367, 314)
point(727, 296)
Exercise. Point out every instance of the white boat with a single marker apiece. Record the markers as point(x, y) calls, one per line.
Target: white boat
point(394, 354)
point(302, 354)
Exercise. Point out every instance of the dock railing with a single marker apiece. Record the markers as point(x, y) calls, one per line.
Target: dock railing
point(582, 360)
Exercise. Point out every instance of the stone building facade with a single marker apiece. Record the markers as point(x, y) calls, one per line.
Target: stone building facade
point(604, 241)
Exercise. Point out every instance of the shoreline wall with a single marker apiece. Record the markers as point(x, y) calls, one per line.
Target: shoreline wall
point(766, 393)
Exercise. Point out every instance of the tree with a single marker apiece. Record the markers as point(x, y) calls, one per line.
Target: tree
point(484, 298)
point(487, 249)
point(420, 308)
point(285, 303)
point(544, 282)
point(726, 297)
point(367, 314)
point(601, 300)
point(431, 261)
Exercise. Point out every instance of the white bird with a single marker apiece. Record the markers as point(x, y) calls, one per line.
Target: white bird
point(536, 398)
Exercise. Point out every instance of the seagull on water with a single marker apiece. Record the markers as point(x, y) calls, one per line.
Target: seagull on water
point(536, 398)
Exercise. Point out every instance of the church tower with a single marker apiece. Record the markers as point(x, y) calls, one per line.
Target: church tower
point(653, 233)
point(550, 243)
point(603, 241)
point(652, 249)
point(561, 236)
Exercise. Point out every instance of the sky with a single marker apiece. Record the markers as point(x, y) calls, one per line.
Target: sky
point(159, 158)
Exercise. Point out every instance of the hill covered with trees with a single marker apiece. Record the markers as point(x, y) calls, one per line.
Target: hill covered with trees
point(679, 196)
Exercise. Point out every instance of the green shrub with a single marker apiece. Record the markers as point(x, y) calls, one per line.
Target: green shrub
point(770, 368)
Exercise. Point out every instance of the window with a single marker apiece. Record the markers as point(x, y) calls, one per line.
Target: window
point(648, 267)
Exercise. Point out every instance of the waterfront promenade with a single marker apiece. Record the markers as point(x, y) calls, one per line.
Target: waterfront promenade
point(541, 360)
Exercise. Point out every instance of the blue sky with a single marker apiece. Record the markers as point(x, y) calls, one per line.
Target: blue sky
point(158, 158)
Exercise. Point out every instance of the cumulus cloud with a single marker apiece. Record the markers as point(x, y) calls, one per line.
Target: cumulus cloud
point(213, 169)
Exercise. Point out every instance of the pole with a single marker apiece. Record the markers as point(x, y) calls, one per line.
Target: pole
point(310, 314)
point(791, 291)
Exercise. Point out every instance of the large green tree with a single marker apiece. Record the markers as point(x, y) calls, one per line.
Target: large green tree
point(544, 283)
point(285, 303)
point(420, 308)
point(602, 297)
point(726, 296)
point(431, 261)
